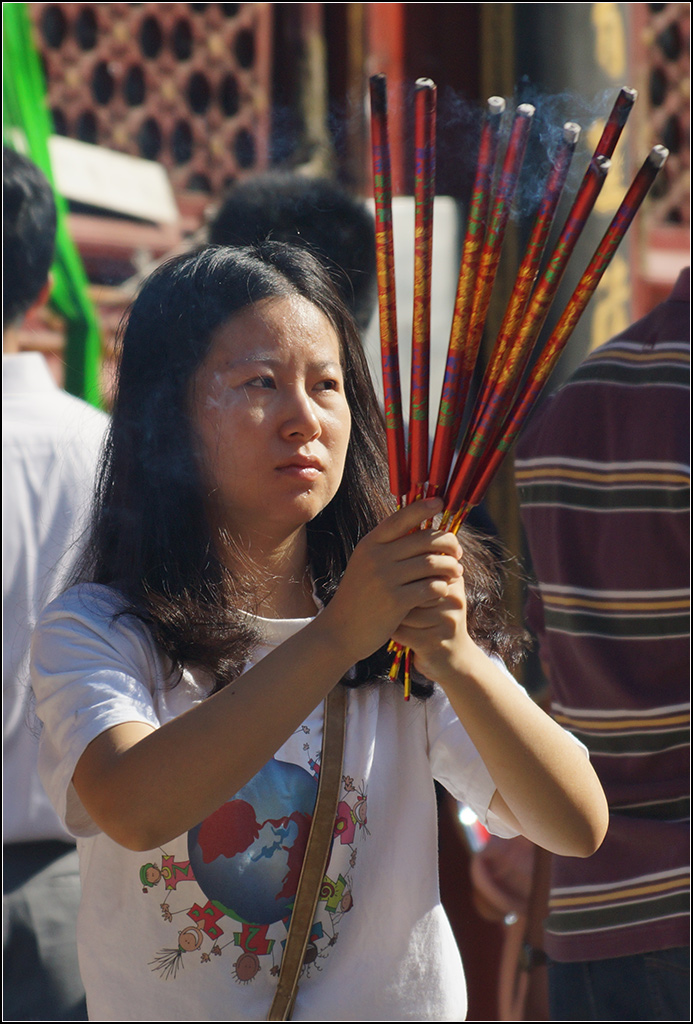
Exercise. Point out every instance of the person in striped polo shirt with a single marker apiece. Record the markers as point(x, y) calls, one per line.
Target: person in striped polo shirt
point(603, 475)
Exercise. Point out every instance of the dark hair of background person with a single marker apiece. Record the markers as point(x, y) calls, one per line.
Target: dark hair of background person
point(28, 234)
point(151, 539)
point(314, 213)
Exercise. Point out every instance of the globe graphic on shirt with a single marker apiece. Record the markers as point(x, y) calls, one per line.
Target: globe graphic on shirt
point(247, 856)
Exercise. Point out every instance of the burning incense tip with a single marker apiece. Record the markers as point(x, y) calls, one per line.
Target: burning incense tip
point(495, 105)
point(628, 93)
point(424, 83)
point(571, 132)
point(658, 155)
point(603, 164)
point(526, 110)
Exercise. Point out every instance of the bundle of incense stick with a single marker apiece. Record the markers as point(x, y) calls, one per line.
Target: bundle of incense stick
point(507, 394)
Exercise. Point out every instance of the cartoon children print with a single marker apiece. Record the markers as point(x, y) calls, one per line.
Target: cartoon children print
point(172, 872)
point(190, 939)
point(246, 858)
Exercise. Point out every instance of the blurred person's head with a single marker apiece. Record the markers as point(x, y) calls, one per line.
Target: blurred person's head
point(313, 213)
point(28, 235)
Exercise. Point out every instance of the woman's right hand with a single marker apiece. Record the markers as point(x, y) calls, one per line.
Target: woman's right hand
point(395, 568)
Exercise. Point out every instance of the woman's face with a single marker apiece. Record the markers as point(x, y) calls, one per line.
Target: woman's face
point(271, 419)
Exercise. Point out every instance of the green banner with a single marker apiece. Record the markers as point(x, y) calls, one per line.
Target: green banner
point(27, 125)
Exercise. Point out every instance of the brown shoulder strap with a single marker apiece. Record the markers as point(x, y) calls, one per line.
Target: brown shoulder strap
point(317, 853)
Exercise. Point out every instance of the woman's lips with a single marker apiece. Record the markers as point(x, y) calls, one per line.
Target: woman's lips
point(301, 468)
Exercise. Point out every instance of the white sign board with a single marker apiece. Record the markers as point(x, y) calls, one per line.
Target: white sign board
point(113, 181)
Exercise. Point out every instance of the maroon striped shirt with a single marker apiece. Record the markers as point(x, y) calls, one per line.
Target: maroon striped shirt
point(604, 478)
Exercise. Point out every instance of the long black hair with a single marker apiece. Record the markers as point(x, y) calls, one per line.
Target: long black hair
point(151, 538)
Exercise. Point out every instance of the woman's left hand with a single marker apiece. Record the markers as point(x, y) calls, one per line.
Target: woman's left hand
point(437, 634)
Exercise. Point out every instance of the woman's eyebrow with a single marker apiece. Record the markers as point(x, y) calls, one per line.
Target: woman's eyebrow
point(256, 357)
point(327, 364)
point(272, 361)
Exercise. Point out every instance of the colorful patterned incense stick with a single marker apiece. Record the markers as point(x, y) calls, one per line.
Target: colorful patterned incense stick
point(497, 395)
point(488, 421)
point(553, 348)
point(616, 122)
point(511, 355)
point(501, 411)
point(490, 254)
point(445, 436)
point(529, 268)
point(424, 191)
point(385, 267)
point(581, 208)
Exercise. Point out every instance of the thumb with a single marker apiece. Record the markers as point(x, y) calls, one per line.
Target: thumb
point(406, 519)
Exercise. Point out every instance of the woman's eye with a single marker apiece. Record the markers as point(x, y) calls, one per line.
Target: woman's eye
point(260, 382)
point(327, 385)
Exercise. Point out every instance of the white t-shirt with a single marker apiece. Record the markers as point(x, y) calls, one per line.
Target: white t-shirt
point(195, 931)
point(50, 447)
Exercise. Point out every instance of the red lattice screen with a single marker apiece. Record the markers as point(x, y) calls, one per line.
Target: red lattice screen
point(660, 36)
point(188, 85)
point(664, 37)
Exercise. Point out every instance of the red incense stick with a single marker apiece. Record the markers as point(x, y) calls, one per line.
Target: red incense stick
point(488, 420)
point(499, 415)
point(529, 268)
point(385, 267)
point(576, 306)
point(424, 191)
point(501, 384)
point(445, 435)
point(616, 122)
point(490, 254)
point(605, 147)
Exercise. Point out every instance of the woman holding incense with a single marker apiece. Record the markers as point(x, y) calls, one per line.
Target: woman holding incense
point(244, 562)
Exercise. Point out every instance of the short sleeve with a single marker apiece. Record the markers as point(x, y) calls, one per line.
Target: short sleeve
point(91, 669)
point(456, 763)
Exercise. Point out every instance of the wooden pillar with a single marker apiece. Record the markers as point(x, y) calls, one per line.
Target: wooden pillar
point(316, 154)
point(385, 48)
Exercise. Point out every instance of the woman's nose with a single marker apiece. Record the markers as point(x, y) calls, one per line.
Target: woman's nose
point(300, 416)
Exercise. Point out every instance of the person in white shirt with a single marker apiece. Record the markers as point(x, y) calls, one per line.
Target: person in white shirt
point(244, 561)
point(51, 443)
